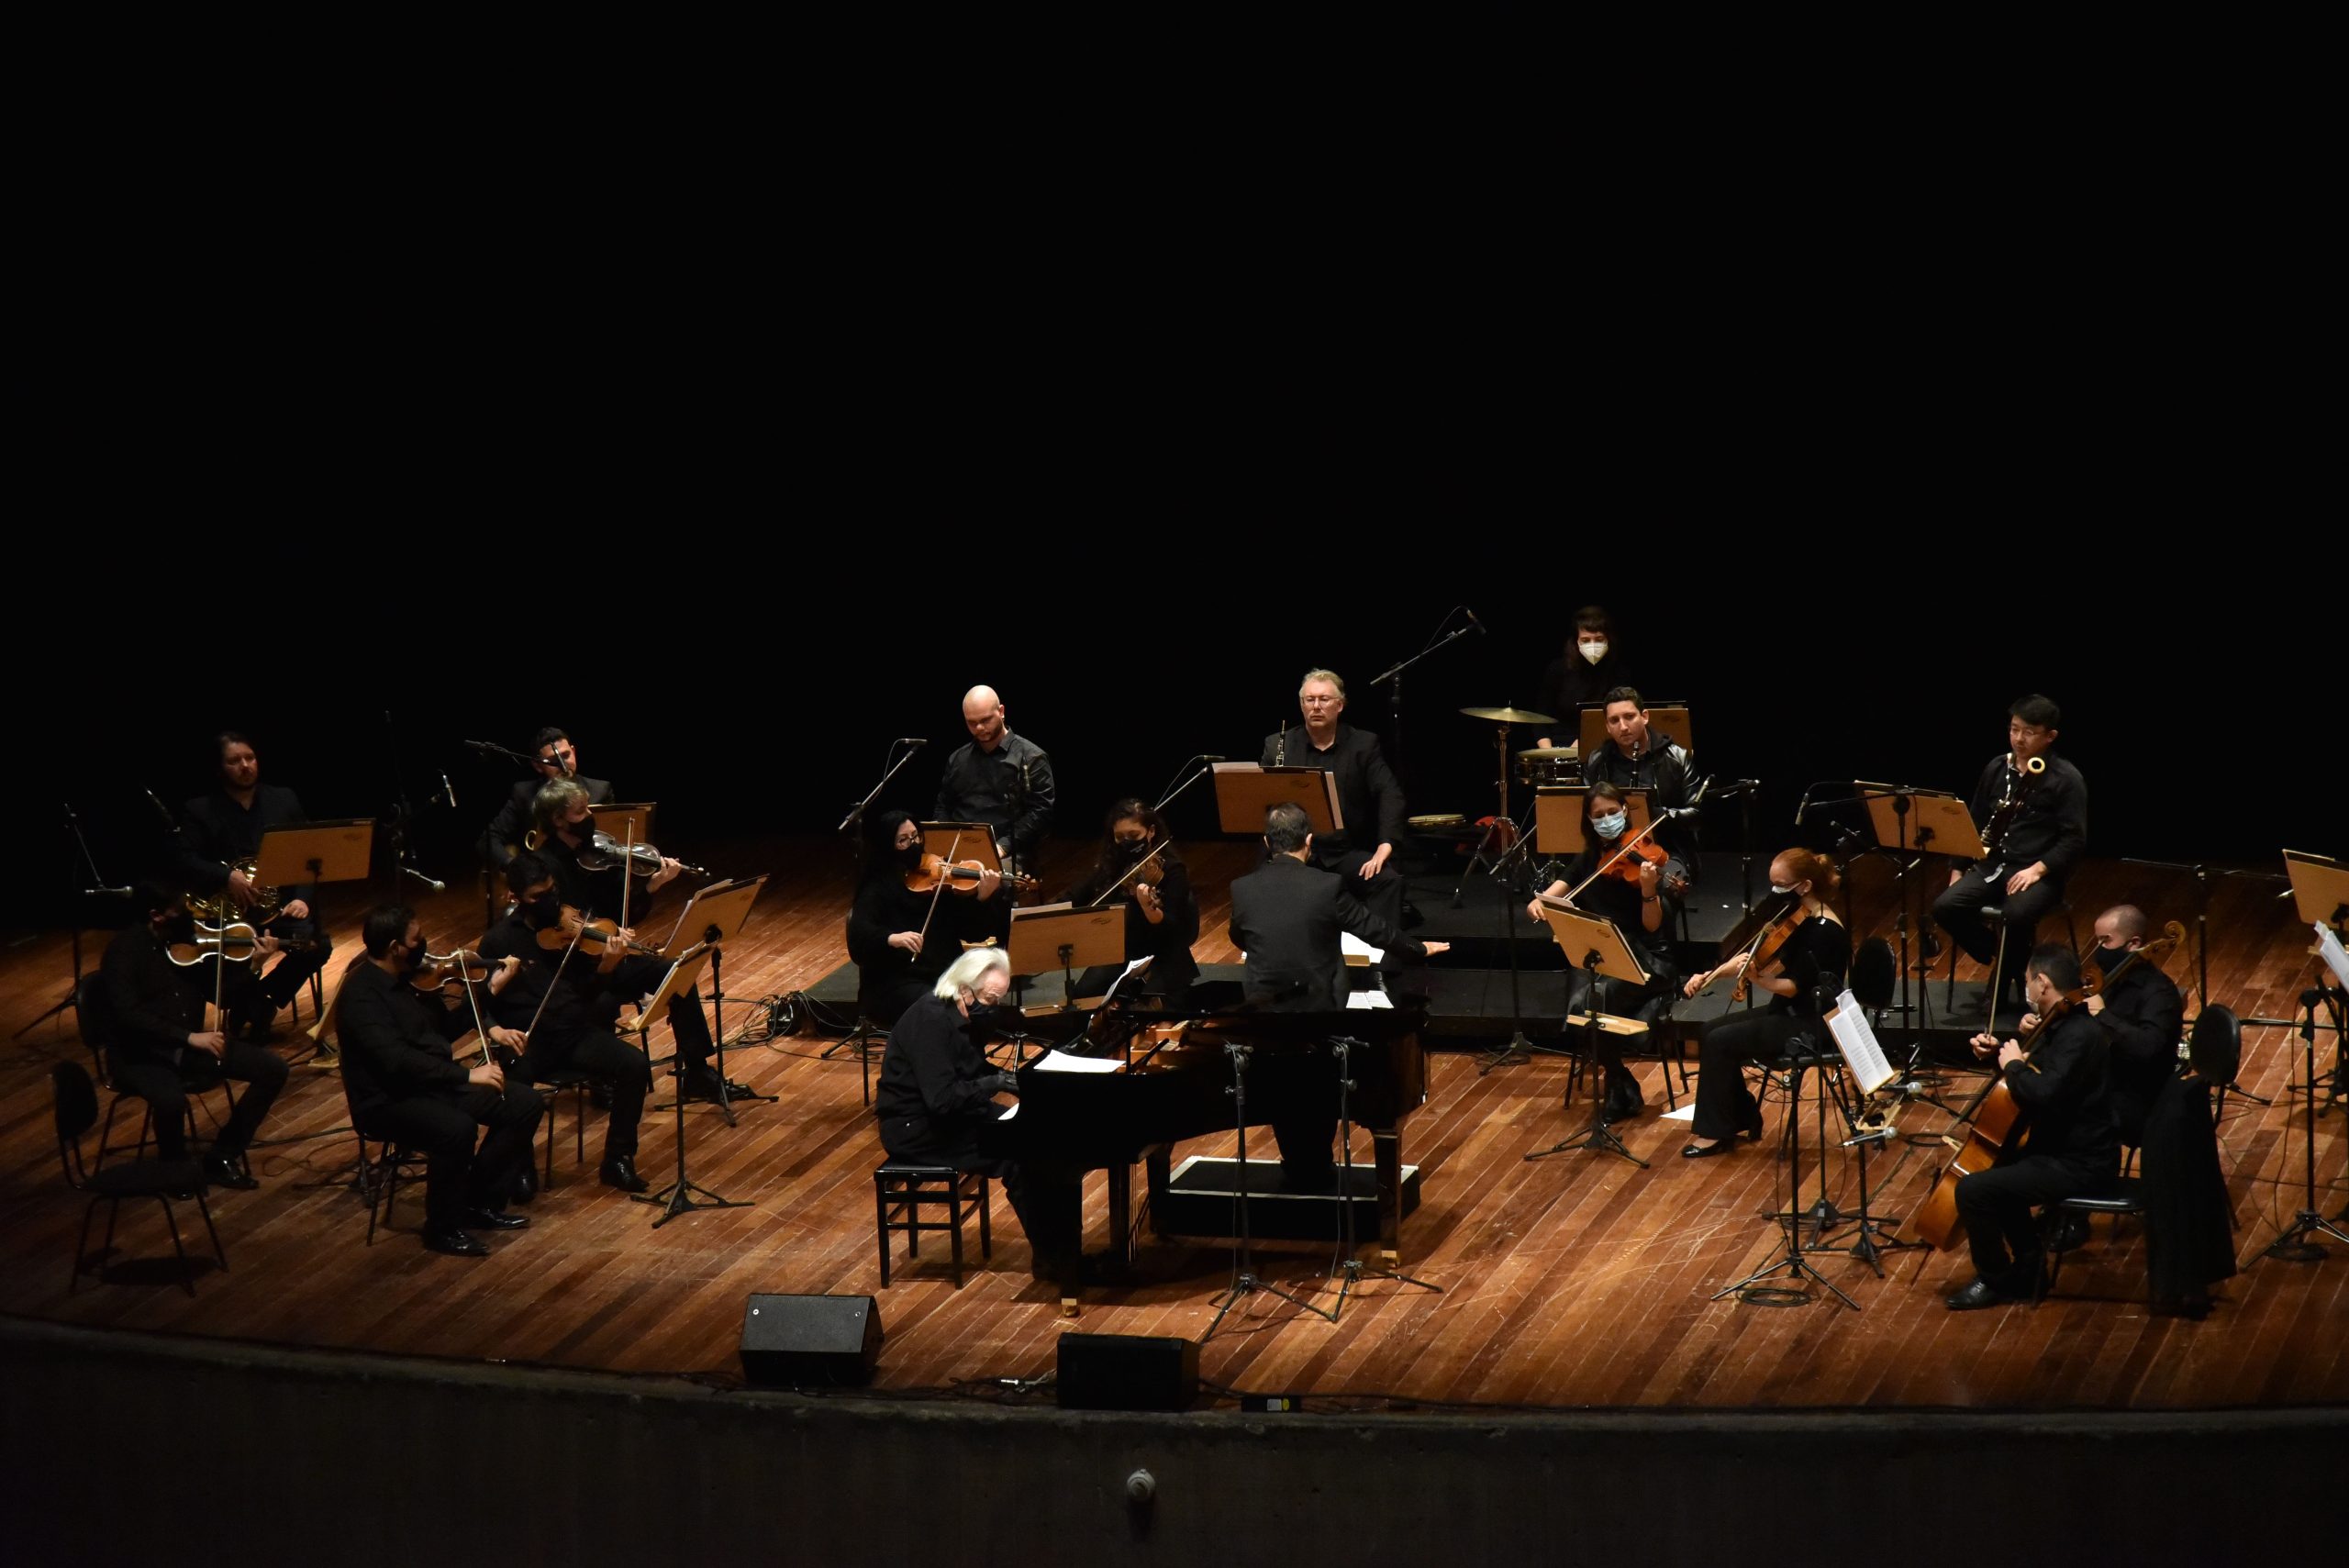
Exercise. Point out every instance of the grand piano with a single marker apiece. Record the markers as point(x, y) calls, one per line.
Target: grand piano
point(1174, 1081)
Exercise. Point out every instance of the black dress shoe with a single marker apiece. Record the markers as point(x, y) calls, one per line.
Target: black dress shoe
point(703, 1084)
point(526, 1185)
point(2071, 1231)
point(454, 1244)
point(1623, 1099)
point(221, 1172)
point(620, 1172)
point(1976, 1297)
point(1706, 1150)
point(492, 1219)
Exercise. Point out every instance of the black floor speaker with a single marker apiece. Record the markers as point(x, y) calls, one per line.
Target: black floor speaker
point(810, 1341)
point(1127, 1372)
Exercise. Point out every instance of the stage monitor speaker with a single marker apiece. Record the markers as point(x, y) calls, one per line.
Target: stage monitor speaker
point(1127, 1372)
point(808, 1341)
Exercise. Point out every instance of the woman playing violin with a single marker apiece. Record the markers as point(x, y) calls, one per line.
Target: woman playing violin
point(1803, 949)
point(902, 940)
point(1633, 897)
point(1141, 868)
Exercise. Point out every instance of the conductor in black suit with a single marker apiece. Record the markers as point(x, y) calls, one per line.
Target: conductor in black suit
point(1287, 918)
point(557, 759)
point(1370, 797)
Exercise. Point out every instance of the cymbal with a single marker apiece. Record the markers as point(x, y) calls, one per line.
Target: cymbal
point(1508, 716)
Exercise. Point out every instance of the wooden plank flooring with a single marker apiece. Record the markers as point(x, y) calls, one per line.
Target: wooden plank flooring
point(1576, 1281)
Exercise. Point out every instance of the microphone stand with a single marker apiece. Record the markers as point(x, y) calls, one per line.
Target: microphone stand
point(2201, 875)
point(2298, 1244)
point(96, 889)
point(856, 813)
point(1393, 675)
point(403, 813)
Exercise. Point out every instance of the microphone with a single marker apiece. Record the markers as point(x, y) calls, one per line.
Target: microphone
point(1204, 758)
point(1801, 811)
point(171, 823)
point(1475, 622)
point(435, 886)
point(911, 741)
point(449, 791)
point(108, 892)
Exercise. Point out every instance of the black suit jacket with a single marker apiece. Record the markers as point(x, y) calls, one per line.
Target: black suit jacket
point(1368, 793)
point(1287, 918)
point(503, 837)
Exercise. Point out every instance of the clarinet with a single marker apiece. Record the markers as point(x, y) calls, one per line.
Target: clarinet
point(1280, 747)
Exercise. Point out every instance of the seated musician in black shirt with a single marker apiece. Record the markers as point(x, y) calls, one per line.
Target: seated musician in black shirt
point(2063, 1091)
point(1813, 957)
point(1636, 756)
point(157, 1047)
point(901, 940)
point(1369, 797)
point(1633, 898)
point(566, 829)
point(1288, 919)
point(557, 1002)
point(557, 759)
point(2041, 825)
point(2144, 1017)
point(404, 1085)
point(1141, 868)
point(936, 1087)
point(220, 835)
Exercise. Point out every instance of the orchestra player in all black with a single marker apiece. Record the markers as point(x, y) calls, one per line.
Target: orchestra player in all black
point(1636, 756)
point(558, 758)
point(1635, 899)
point(1813, 957)
point(158, 1048)
point(900, 940)
point(404, 1085)
point(936, 1087)
point(2045, 833)
point(558, 1003)
point(565, 828)
point(1370, 798)
point(1161, 914)
point(1588, 669)
point(218, 830)
point(1001, 779)
point(2063, 1091)
point(1288, 918)
point(2144, 1017)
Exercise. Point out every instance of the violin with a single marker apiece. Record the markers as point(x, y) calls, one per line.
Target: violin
point(961, 877)
point(1774, 937)
point(463, 966)
point(603, 851)
point(237, 941)
point(1627, 867)
point(597, 935)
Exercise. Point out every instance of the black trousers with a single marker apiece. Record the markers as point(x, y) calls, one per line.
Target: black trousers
point(1725, 1107)
point(457, 1176)
point(165, 1090)
point(1996, 1205)
point(611, 1061)
point(1958, 911)
point(1383, 893)
point(1049, 1201)
point(639, 974)
point(293, 970)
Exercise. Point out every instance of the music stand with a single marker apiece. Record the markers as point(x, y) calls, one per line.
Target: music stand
point(1867, 1071)
point(1064, 937)
point(1908, 823)
point(628, 822)
point(1561, 823)
point(961, 841)
point(1604, 956)
point(1666, 718)
point(679, 1197)
point(2321, 892)
point(710, 917)
point(1244, 792)
point(315, 853)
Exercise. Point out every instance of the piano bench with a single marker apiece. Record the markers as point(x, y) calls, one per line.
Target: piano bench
point(901, 1187)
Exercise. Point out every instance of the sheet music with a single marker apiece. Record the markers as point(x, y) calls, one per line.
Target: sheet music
point(2336, 959)
point(1354, 947)
point(1061, 1061)
point(1359, 999)
point(1111, 996)
point(1865, 1058)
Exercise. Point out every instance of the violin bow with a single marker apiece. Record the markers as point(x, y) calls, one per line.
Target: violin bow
point(1135, 870)
point(939, 892)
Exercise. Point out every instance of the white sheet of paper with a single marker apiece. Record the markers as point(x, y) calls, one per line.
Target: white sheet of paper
point(1367, 999)
point(1142, 963)
point(2336, 959)
point(1061, 1061)
point(1011, 1111)
point(1685, 1113)
point(1865, 1058)
point(1353, 946)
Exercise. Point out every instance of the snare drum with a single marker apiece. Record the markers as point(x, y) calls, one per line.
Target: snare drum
point(1549, 765)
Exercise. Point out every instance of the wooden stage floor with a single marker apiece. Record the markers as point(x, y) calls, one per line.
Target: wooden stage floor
point(1575, 1281)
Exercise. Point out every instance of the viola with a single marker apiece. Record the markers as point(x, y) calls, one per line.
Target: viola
point(596, 936)
point(463, 967)
point(959, 876)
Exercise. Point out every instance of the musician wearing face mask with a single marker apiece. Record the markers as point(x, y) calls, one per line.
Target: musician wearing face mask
point(936, 1087)
point(558, 758)
point(566, 828)
point(1636, 756)
point(902, 940)
point(405, 1086)
point(1631, 897)
point(1589, 669)
point(1369, 796)
point(2144, 1017)
point(554, 1008)
point(2040, 823)
point(219, 830)
point(2063, 1091)
point(1140, 869)
point(1809, 958)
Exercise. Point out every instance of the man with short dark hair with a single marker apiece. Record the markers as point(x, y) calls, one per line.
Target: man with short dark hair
point(2063, 1091)
point(2040, 825)
point(1636, 755)
point(220, 833)
point(1370, 797)
point(403, 1086)
point(557, 757)
point(151, 1027)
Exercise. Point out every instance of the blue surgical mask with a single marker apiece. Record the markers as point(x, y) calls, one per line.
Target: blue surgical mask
point(1610, 826)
